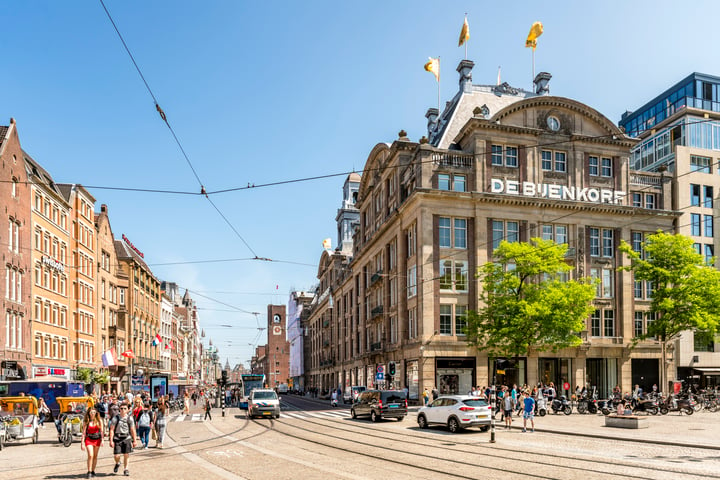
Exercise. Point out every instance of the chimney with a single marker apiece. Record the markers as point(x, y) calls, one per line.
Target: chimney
point(103, 208)
point(541, 82)
point(432, 116)
point(465, 70)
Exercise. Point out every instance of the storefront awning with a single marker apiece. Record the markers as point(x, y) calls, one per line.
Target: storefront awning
point(708, 371)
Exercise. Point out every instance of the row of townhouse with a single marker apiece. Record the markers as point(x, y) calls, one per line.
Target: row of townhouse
point(502, 163)
point(73, 291)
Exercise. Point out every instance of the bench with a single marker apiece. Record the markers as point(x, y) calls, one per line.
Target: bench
point(626, 421)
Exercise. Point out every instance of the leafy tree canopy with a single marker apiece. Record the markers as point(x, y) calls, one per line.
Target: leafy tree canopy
point(527, 302)
point(685, 289)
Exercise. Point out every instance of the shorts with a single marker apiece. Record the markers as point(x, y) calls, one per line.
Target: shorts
point(507, 413)
point(123, 446)
point(529, 415)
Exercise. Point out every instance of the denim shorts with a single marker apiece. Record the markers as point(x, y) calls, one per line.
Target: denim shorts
point(528, 414)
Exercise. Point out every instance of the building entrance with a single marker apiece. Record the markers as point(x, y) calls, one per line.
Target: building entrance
point(646, 373)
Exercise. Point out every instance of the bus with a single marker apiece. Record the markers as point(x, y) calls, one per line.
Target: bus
point(47, 389)
point(249, 382)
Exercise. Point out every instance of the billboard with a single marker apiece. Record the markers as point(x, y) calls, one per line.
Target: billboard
point(158, 386)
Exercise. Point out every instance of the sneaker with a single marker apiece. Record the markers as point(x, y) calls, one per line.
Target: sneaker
point(126, 473)
point(117, 467)
point(532, 431)
point(524, 431)
point(89, 475)
point(92, 474)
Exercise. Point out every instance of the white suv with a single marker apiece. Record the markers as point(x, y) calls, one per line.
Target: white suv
point(456, 412)
point(263, 403)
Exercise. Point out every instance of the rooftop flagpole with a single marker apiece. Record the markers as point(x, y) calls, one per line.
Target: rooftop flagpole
point(535, 31)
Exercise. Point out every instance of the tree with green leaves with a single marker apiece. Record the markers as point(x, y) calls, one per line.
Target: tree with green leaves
point(527, 304)
point(685, 289)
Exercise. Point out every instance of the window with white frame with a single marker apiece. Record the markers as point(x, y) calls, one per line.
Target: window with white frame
point(604, 279)
point(410, 235)
point(452, 232)
point(412, 323)
point(505, 230)
point(412, 281)
point(451, 182)
point(602, 242)
point(609, 323)
point(553, 161)
point(700, 164)
point(446, 319)
point(393, 330)
point(13, 235)
point(454, 275)
point(557, 233)
point(504, 156)
point(460, 319)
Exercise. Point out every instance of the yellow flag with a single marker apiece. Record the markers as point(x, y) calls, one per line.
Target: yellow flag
point(535, 31)
point(327, 244)
point(433, 66)
point(464, 33)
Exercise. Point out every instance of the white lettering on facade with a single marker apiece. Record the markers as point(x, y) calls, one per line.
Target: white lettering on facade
point(556, 192)
point(52, 263)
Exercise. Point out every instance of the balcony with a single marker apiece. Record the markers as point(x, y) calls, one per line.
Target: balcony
point(376, 347)
point(646, 179)
point(375, 277)
point(447, 159)
point(376, 312)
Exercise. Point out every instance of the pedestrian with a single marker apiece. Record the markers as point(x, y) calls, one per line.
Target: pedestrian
point(122, 437)
point(435, 393)
point(508, 407)
point(160, 419)
point(92, 439)
point(186, 403)
point(208, 408)
point(426, 396)
point(194, 398)
point(529, 413)
point(145, 424)
point(334, 398)
point(43, 412)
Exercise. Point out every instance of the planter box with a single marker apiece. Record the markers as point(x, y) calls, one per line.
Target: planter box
point(626, 421)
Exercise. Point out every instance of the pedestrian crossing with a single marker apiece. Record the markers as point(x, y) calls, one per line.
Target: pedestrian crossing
point(195, 417)
point(299, 414)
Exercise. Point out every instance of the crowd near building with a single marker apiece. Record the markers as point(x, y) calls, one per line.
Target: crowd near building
point(76, 294)
point(502, 163)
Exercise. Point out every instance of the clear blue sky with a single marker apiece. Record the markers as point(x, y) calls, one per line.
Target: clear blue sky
point(261, 92)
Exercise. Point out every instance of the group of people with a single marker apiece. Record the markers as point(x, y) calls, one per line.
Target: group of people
point(123, 420)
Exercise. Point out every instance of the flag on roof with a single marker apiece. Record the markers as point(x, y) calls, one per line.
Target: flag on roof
point(109, 358)
point(464, 33)
point(433, 66)
point(327, 244)
point(535, 31)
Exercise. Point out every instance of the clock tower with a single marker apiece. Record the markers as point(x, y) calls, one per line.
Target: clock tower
point(277, 357)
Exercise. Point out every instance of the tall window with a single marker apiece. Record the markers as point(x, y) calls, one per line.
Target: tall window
point(609, 322)
point(638, 324)
point(454, 275)
point(557, 233)
point(412, 323)
point(708, 226)
point(695, 224)
point(553, 161)
point(606, 167)
point(595, 324)
point(594, 166)
point(410, 235)
point(505, 230)
point(606, 235)
point(460, 319)
point(452, 232)
point(446, 320)
point(708, 196)
point(605, 282)
point(412, 281)
point(694, 195)
point(504, 156)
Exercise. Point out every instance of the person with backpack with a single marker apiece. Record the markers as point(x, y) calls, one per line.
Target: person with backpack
point(122, 437)
point(145, 424)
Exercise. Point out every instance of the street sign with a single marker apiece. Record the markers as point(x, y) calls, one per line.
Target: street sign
point(381, 369)
point(566, 386)
point(379, 376)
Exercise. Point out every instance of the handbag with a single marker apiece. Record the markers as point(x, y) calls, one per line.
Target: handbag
point(154, 434)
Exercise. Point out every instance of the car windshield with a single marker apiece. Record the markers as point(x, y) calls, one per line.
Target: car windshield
point(475, 402)
point(264, 396)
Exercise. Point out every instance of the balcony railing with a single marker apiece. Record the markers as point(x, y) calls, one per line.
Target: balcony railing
point(646, 179)
point(447, 159)
point(377, 311)
point(377, 346)
point(375, 277)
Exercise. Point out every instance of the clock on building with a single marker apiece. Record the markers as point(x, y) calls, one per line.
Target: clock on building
point(276, 318)
point(277, 330)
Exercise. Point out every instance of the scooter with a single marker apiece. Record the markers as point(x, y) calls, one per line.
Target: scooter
point(541, 406)
point(587, 404)
point(561, 405)
point(646, 405)
point(677, 404)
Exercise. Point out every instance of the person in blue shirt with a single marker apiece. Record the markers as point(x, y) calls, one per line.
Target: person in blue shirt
point(529, 413)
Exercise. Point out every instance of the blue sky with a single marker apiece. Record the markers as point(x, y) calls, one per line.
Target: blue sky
point(262, 92)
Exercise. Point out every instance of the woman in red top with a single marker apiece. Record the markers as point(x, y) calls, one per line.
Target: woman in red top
point(92, 439)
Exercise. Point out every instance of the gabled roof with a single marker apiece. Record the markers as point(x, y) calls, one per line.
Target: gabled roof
point(124, 252)
point(3, 133)
point(38, 175)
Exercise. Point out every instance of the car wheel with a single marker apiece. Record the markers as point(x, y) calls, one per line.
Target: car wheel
point(374, 416)
point(453, 425)
point(400, 419)
point(422, 421)
point(352, 413)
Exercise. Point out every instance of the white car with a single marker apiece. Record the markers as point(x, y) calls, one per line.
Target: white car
point(457, 412)
point(263, 403)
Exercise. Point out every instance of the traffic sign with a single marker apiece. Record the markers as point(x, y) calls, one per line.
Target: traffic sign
point(566, 386)
point(379, 376)
point(381, 369)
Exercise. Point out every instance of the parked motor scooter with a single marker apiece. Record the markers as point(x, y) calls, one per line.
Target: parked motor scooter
point(541, 406)
point(647, 405)
point(677, 404)
point(561, 405)
point(586, 404)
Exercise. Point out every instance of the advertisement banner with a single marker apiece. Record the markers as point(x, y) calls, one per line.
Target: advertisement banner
point(158, 386)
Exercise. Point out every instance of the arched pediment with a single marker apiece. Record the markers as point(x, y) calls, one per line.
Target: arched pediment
point(575, 118)
point(373, 162)
point(324, 263)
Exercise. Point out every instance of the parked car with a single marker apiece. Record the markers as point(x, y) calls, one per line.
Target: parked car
point(263, 403)
point(457, 412)
point(378, 404)
point(351, 394)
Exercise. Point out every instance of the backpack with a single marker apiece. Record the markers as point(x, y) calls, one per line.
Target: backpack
point(122, 427)
point(144, 420)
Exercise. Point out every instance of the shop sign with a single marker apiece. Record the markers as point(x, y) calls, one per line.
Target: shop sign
point(58, 372)
point(557, 192)
point(11, 371)
point(52, 263)
point(114, 379)
point(40, 371)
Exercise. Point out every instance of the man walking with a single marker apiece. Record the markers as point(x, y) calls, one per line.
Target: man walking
point(529, 413)
point(208, 408)
point(122, 437)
